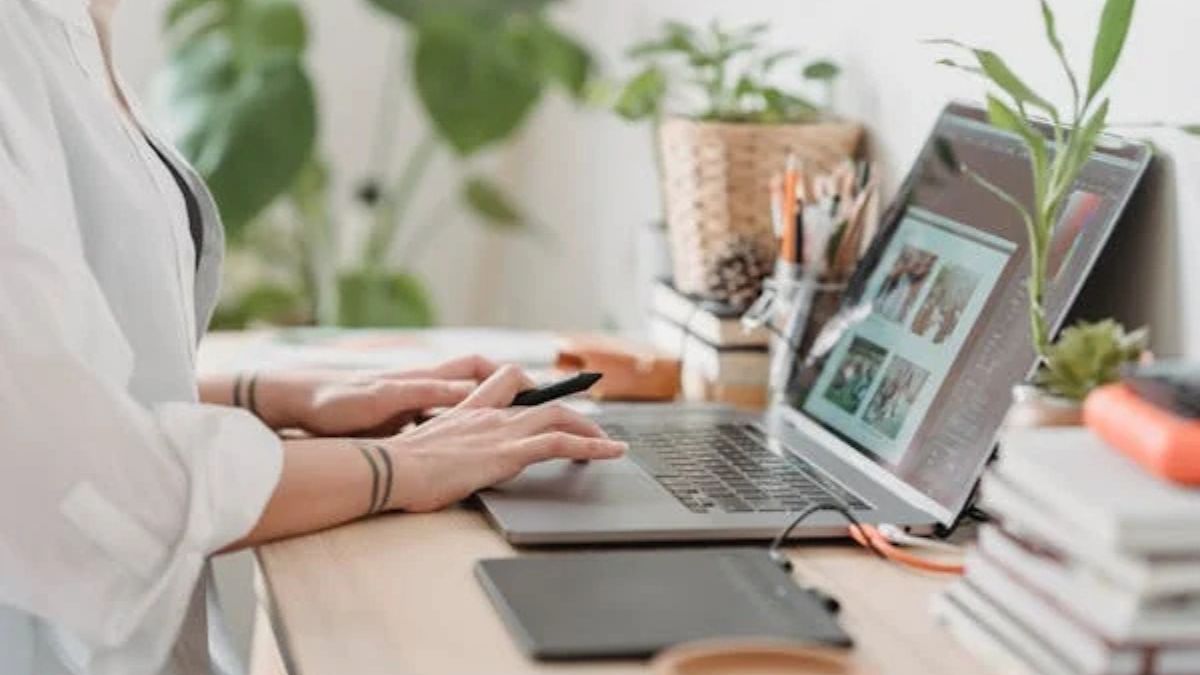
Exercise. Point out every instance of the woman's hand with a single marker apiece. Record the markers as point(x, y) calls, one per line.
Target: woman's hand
point(482, 442)
point(333, 403)
point(478, 443)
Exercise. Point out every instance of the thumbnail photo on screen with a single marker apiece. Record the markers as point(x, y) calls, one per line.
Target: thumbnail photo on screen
point(903, 283)
point(944, 306)
point(855, 374)
point(895, 396)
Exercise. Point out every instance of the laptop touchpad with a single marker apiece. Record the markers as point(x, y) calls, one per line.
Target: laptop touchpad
point(610, 483)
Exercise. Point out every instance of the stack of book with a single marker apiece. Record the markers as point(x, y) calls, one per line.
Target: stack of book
point(721, 361)
point(1094, 566)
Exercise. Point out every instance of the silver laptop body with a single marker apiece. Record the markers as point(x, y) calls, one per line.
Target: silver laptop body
point(940, 351)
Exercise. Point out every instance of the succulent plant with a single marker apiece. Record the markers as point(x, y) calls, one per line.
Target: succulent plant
point(1087, 356)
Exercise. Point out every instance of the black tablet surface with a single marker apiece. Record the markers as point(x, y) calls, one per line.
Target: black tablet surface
point(633, 604)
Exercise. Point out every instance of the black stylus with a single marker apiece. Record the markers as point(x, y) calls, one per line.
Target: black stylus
point(556, 390)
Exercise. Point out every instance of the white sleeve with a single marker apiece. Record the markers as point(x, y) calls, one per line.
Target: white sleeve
point(108, 508)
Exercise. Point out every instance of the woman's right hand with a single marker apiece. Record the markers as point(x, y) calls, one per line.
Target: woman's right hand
point(482, 442)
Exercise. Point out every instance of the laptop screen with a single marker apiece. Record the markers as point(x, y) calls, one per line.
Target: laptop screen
point(916, 372)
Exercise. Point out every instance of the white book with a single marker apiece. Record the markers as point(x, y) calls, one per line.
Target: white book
point(1002, 644)
point(1090, 595)
point(716, 324)
point(734, 365)
point(1000, 599)
point(1147, 576)
point(1088, 487)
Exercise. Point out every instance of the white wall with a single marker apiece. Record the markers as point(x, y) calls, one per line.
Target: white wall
point(588, 177)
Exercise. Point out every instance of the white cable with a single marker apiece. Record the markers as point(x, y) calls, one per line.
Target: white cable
point(901, 538)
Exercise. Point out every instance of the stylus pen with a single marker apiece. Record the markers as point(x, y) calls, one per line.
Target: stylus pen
point(546, 393)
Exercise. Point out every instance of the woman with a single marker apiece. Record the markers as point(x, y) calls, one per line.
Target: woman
point(120, 473)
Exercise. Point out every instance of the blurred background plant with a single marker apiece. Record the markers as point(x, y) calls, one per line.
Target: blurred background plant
point(724, 74)
point(1087, 356)
point(244, 110)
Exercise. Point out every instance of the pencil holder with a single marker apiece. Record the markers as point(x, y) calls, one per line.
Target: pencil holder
point(715, 183)
point(806, 305)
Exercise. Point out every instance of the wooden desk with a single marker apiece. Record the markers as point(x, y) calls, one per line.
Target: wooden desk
point(397, 594)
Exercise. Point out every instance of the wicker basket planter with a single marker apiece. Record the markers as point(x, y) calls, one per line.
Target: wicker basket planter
point(716, 178)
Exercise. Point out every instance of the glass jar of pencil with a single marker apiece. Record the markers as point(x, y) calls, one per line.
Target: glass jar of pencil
point(804, 304)
point(824, 223)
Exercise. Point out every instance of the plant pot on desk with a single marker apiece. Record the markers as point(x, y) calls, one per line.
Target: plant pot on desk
point(716, 177)
point(1033, 407)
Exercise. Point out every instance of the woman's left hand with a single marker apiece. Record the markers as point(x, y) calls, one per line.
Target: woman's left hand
point(339, 403)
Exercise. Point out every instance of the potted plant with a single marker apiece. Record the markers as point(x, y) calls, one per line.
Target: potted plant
point(1087, 355)
point(246, 114)
point(725, 125)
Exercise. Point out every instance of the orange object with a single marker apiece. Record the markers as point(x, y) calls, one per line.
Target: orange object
point(756, 656)
point(632, 372)
point(867, 533)
point(1165, 444)
point(790, 247)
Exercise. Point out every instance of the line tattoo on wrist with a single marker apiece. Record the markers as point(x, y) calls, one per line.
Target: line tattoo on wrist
point(386, 497)
point(380, 462)
point(245, 391)
point(252, 394)
point(366, 453)
point(237, 389)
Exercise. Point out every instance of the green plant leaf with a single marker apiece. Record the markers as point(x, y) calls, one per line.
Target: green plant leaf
point(1050, 24)
point(274, 25)
point(774, 59)
point(241, 104)
point(998, 71)
point(187, 20)
point(677, 37)
point(250, 141)
point(1079, 149)
point(1110, 41)
point(1087, 356)
point(951, 63)
point(1193, 129)
point(561, 59)
point(780, 107)
point(1004, 117)
point(489, 201)
point(642, 96)
point(269, 303)
point(472, 81)
point(372, 298)
point(822, 71)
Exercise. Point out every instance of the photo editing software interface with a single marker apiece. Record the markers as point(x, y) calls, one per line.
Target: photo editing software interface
point(917, 371)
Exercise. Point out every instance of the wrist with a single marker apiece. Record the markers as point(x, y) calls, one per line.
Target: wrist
point(278, 401)
point(405, 465)
point(390, 476)
point(267, 396)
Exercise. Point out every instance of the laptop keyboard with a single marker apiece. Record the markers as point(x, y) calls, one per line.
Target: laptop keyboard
point(726, 468)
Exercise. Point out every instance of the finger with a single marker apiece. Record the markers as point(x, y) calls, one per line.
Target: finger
point(499, 390)
point(474, 368)
point(561, 445)
point(543, 418)
point(420, 395)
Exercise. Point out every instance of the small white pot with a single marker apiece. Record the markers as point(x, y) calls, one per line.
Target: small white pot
point(1033, 407)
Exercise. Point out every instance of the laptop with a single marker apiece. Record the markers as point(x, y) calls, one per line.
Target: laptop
point(895, 410)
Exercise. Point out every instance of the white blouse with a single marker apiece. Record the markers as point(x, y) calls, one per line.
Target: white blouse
point(115, 483)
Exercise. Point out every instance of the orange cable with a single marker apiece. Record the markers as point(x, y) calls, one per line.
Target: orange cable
point(871, 537)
